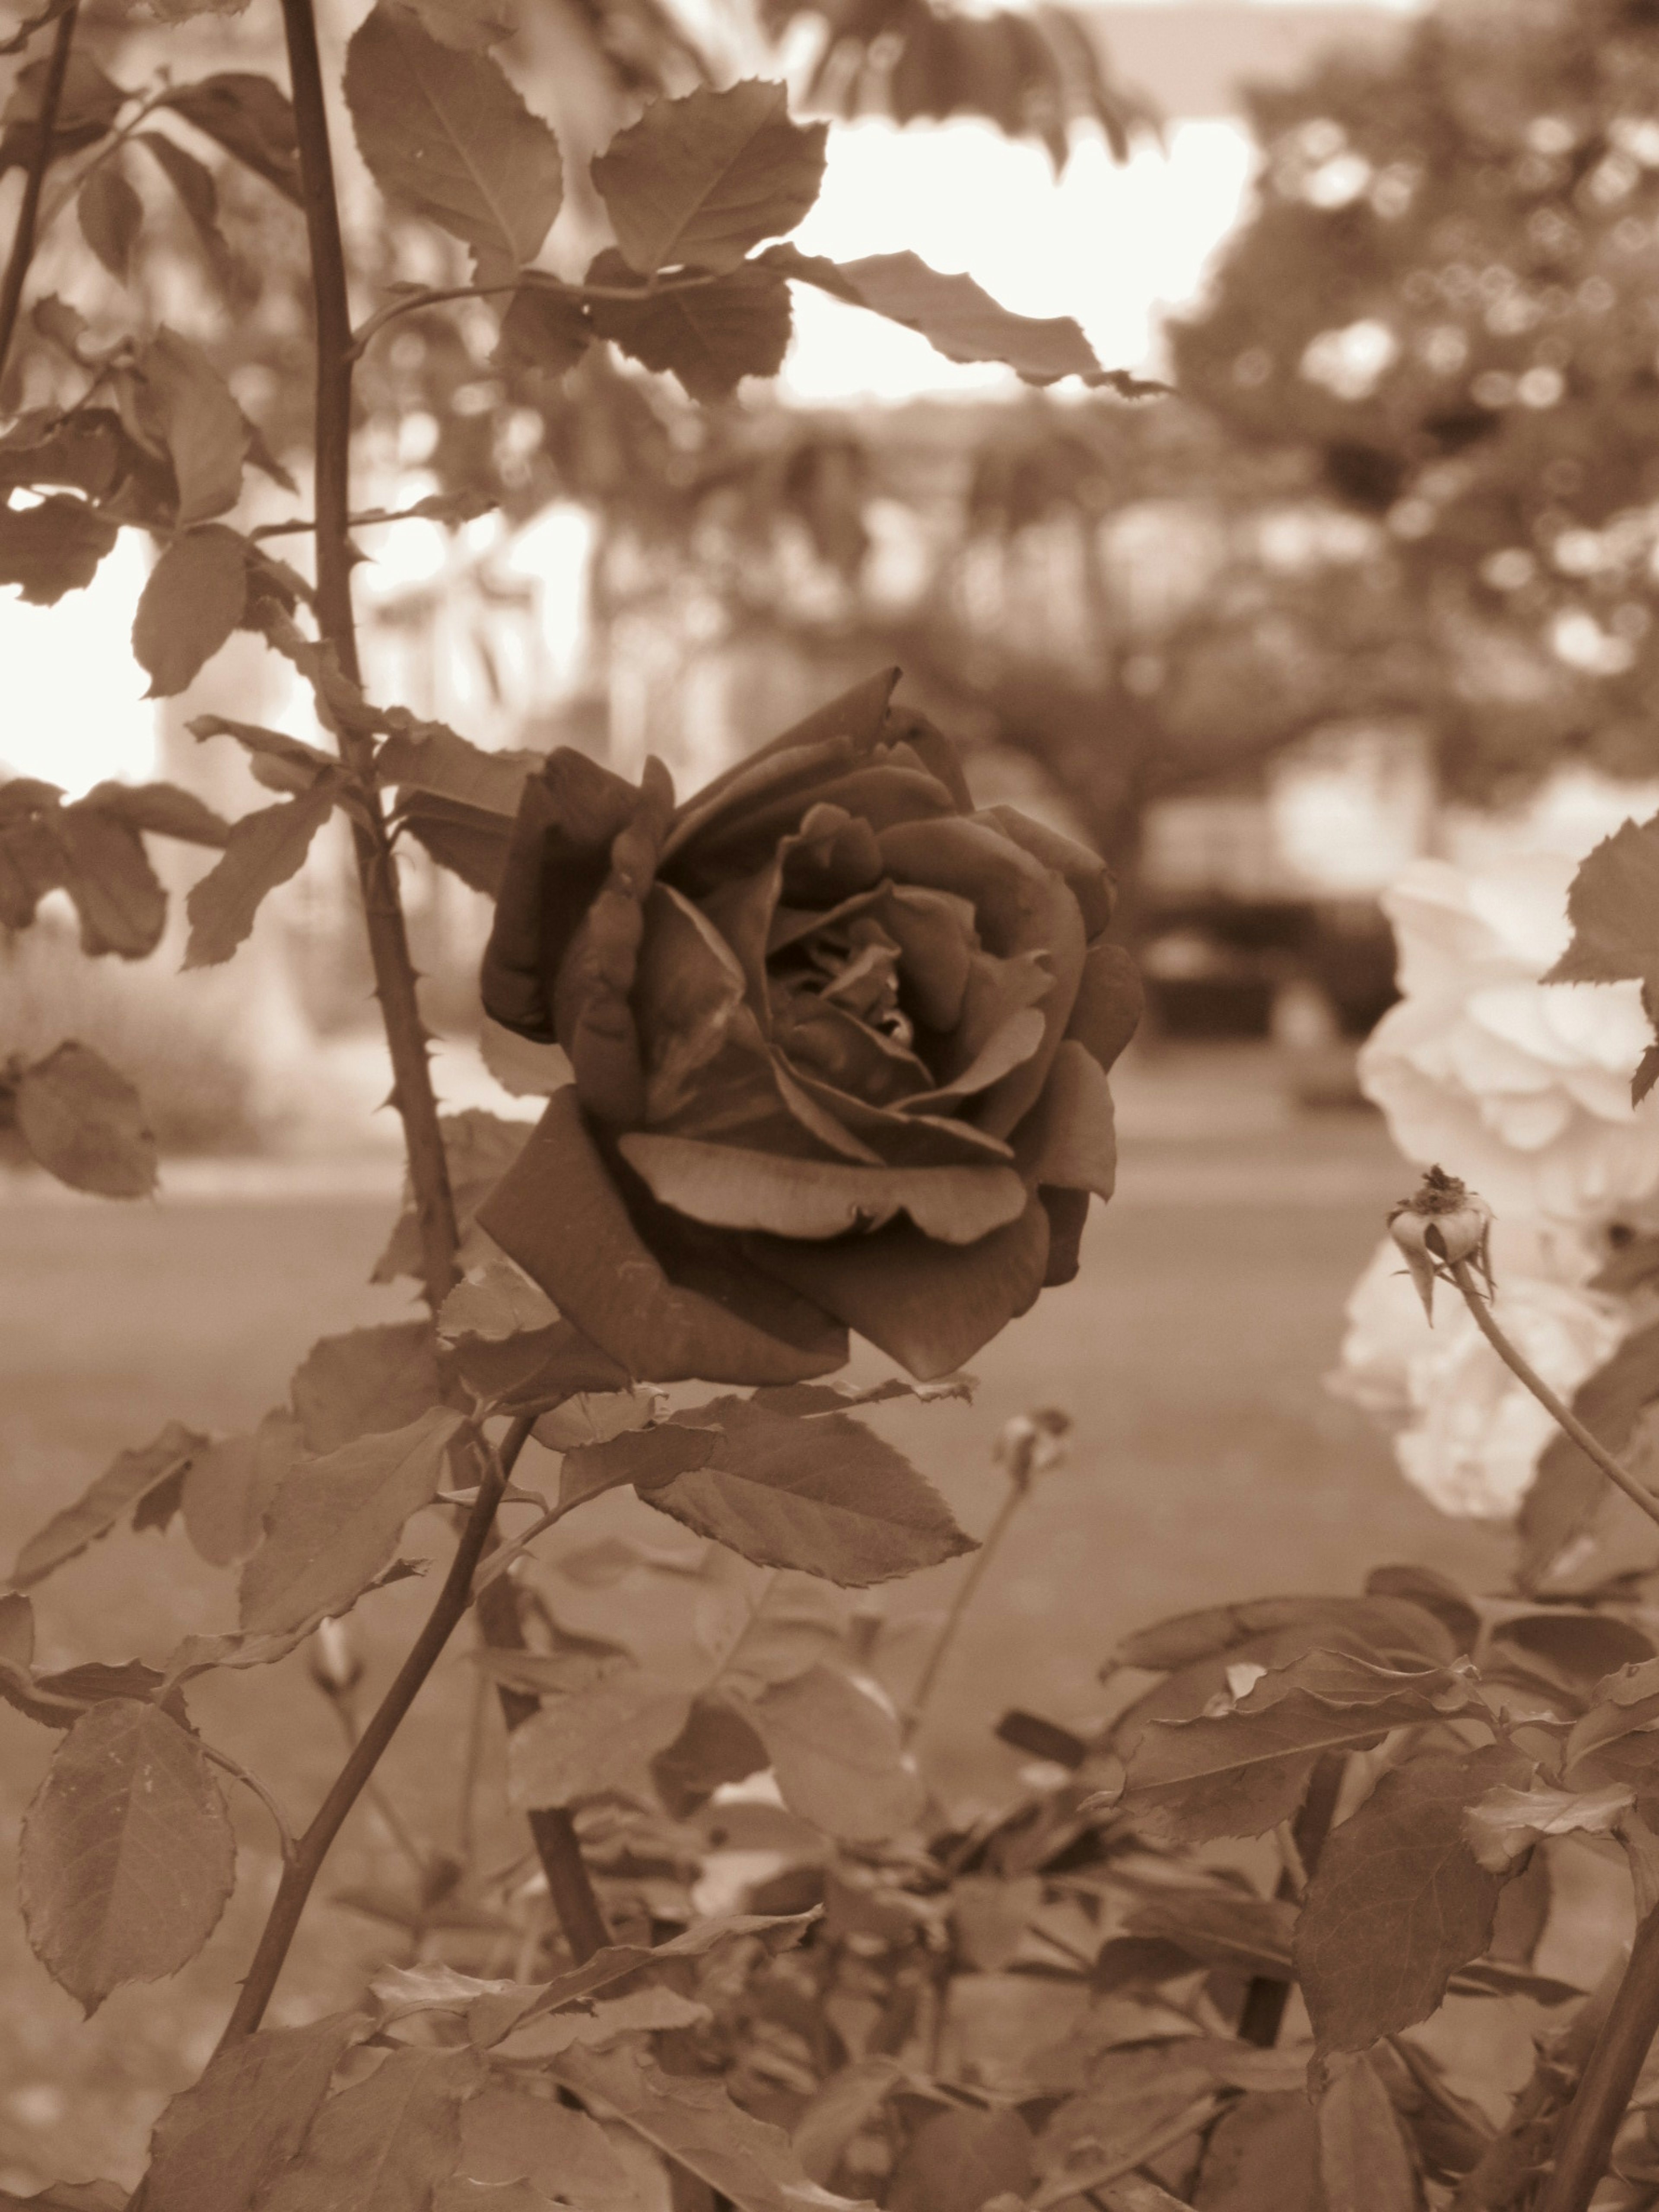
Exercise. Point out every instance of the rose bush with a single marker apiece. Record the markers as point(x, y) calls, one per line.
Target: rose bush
point(839, 1043)
point(1520, 1087)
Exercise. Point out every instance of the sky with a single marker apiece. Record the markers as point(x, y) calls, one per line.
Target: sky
point(1116, 246)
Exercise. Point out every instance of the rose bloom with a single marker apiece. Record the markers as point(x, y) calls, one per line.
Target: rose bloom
point(1467, 1432)
point(839, 1043)
point(1520, 1087)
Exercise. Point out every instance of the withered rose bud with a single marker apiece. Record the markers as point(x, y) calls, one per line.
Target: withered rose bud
point(1440, 1224)
point(840, 1046)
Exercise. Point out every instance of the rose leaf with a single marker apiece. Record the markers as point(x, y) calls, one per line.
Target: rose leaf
point(128, 1854)
point(698, 181)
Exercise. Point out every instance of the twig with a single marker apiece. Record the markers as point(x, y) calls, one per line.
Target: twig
point(388, 940)
point(111, 146)
point(304, 526)
point(1565, 1418)
point(413, 303)
point(301, 1871)
point(966, 1589)
point(500, 1561)
point(285, 1834)
point(23, 237)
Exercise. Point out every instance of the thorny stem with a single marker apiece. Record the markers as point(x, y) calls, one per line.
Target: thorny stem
point(23, 237)
point(1510, 2162)
point(1479, 1305)
point(301, 1871)
point(966, 1589)
point(388, 940)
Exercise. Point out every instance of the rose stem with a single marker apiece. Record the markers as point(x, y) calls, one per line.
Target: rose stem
point(1584, 2144)
point(394, 971)
point(1511, 2160)
point(965, 1597)
point(301, 1871)
point(22, 239)
point(1564, 1418)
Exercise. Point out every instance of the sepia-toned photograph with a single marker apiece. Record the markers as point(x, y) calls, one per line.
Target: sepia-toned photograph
point(829, 1105)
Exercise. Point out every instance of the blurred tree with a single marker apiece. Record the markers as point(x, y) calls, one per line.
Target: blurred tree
point(1445, 300)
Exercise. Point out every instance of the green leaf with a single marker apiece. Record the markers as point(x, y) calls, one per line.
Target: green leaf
point(193, 598)
point(265, 848)
point(694, 2123)
point(279, 762)
point(696, 182)
point(644, 1456)
point(69, 2196)
point(128, 1855)
point(480, 1147)
point(52, 547)
point(122, 906)
point(1613, 907)
point(1363, 2159)
point(366, 1380)
point(111, 216)
point(826, 1496)
point(1242, 1773)
point(710, 335)
point(161, 809)
point(506, 2137)
point(384, 2144)
point(428, 756)
point(1398, 1902)
point(1389, 1629)
point(1263, 2157)
point(444, 132)
point(836, 1748)
point(335, 1522)
point(84, 1123)
point(1570, 1488)
point(543, 331)
point(230, 1486)
point(252, 118)
point(219, 2144)
point(957, 2160)
point(594, 1740)
point(123, 1485)
point(956, 317)
point(198, 196)
point(1247, 1936)
point(531, 1372)
point(197, 419)
point(467, 25)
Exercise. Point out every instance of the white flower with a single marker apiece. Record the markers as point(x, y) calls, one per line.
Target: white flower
point(1520, 1087)
point(1467, 1432)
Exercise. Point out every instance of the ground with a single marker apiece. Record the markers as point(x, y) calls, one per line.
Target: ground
point(1208, 1462)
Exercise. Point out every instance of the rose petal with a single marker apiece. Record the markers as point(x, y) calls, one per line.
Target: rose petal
point(900, 1138)
point(1110, 1002)
point(592, 1009)
point(1019, 1036)
point(1068, 1140)
point(820, 1039)
point(832, 855)
point(851, 724)
point(1087, 876)
point(558, 1213)
point(687, 990)
point(1067, 1211)
point(936, 936)
point(570, 814)
point(938, 754)
point(929, 1306)
point(735, 1187)
point(742, 837)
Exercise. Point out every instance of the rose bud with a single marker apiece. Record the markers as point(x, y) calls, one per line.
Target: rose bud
point(840, 1044)
point(1440, 1224)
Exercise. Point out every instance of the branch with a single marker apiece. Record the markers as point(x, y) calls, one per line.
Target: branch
point(388, 940)
point(23, 240)
point(301, 1871)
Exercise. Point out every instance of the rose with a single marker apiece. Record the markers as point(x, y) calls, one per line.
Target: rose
point(1467, 1432)
point(1520, 1087)
point(839, 1045)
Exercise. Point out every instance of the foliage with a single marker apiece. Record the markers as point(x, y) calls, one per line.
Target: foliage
point(821, 995)
point(1442, 299)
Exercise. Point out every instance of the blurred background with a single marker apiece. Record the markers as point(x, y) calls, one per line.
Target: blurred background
point(1375, 587)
